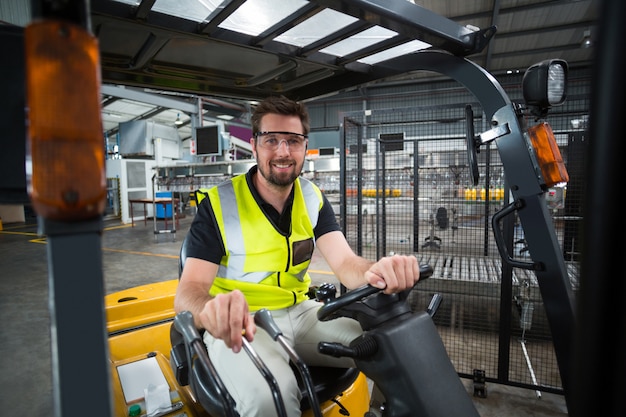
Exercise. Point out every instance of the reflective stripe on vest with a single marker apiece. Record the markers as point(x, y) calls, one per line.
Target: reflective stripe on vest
point(234, 238)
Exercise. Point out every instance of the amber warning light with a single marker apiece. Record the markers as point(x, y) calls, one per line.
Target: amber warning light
point(548, 154)
point(65, 154)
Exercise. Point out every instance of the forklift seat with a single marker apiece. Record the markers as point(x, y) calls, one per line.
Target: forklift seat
point(442, 218)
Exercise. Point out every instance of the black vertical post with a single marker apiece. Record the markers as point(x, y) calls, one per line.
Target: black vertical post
point(379, 253)
point(80, 355)
point(506, 296)
point(79, 343)
point(416, 203)
point(359, 193)
point(487, 230)
point(577, 149)
point(599, 361)
point(343, 180)
point(383, 206)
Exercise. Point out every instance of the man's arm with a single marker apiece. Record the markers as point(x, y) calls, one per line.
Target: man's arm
point(393, 273)
point(193, 288)
point(224, 316)
point(347, 266)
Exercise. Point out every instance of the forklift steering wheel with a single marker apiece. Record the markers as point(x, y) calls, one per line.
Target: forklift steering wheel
point(331, 308)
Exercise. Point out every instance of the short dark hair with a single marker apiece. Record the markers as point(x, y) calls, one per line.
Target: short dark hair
point(280, 105)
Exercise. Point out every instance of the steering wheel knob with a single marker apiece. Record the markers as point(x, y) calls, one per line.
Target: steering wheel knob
point(326, 292)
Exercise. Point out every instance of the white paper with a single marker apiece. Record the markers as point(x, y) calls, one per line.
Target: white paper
point(136, 376)
point(157, 398)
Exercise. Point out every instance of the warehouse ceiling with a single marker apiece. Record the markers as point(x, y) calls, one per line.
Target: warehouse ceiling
point(166, 59)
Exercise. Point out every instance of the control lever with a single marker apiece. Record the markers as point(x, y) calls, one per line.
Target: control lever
point(267, 374)
point(364, 349)
point(263, 319)
point(184, 324)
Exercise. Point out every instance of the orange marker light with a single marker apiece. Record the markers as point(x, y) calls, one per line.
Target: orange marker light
point(66, 175)
point(548, 154)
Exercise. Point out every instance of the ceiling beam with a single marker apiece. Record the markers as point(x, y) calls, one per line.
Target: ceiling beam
point(150, 98)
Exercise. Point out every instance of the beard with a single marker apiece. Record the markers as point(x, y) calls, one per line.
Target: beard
point(282, 178)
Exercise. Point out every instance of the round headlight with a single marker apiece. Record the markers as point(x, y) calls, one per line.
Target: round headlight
point(544, 85)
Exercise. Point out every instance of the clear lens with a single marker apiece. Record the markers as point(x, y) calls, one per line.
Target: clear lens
point(272, 140)
point(556, 83)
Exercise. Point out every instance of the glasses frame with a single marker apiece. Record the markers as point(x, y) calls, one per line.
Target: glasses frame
point(302, 135)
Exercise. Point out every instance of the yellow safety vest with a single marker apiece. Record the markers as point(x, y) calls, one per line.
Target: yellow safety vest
point(267, 266)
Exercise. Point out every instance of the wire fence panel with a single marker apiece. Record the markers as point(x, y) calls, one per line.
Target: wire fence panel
point(405, 187)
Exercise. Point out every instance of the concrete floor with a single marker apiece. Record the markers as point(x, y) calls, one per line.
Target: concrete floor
point(133, 256)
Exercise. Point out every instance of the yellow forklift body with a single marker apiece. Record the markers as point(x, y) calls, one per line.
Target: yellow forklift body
point(138, 323)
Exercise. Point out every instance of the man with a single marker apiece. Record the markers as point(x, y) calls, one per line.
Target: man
point(249, 247)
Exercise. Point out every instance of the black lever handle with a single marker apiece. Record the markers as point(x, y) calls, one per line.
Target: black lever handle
point(263, 319)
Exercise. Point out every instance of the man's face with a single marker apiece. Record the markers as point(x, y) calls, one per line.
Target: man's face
point(280, 153)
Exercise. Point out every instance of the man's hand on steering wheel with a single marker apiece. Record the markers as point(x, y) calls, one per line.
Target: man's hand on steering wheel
point(394, 273)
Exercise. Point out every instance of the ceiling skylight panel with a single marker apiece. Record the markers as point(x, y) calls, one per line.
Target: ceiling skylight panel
point(404, 49)
point(359, 41)
point(196, 10)
point(131, 2)
point(316, 27)
point(255, 16)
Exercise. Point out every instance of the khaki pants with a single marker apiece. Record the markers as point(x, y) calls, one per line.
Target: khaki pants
point(299, 325)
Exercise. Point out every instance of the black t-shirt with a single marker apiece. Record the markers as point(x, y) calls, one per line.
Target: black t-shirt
point(205, 242)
